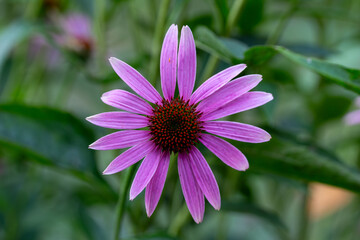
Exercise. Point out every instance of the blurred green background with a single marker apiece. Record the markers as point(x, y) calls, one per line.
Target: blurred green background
point(308, 52)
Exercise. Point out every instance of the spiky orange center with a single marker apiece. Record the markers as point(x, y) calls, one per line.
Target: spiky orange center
point(175, 125)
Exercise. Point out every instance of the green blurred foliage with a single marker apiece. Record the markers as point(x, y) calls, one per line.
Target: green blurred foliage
point(51, 184)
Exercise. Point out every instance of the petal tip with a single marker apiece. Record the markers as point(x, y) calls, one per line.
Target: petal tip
point(243, 168)
point(268, 138)
point(242, 66)
point(271, 97)
point(149, 212)
point(107, 172)
point(132, 195)
point(112, 59)
point(198, 220)
point(89, 119)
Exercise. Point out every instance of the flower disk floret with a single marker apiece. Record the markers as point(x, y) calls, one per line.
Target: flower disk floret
point(175, 125)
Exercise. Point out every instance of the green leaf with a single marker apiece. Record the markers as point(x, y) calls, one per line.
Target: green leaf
point(340, 75)
point(11, 36)
point(48, 136)
point(251, 15)
point(237, 48)
point(155, 236)
point(250, 208)
point(209, 42)
point(329, 106)
point(287, 156)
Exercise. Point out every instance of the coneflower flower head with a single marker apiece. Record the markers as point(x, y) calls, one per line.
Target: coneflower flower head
point(353, 118)
point(75, 33)
point(177, 124)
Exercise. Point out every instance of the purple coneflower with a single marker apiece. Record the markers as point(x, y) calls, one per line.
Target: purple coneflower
point(353, 118)
point(75, 32)
point(176, 124)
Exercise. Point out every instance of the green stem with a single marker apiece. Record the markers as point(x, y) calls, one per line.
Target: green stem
point(275, 36)
point(222, 227)
point(121, 204)
point(16, 81)
point(233, 16)
point(65, 88)
point(134, 29)
point(358, 159)
point(304, 218)
point(209, 68)
point(99, 26)
point(33, 9)
point(159, 32)
point(180, 219)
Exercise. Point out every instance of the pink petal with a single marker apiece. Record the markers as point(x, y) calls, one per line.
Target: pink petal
point(119, 120)
point(193, 195)
point(168, 62)
point(204, 177)
point(244, 102)
point(121, 139)
point(145, 173)
point(353, 118)
point(129, 157)
point(237, 131)
point(227, 153)
point(216, 82)
point(186, 63)
point(154, 188)
point(135, 80)
point(228, 93)
point(126, 101)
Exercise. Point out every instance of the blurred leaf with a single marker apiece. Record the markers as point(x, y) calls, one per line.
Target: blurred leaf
point(329, 106)
point(157, 236)
point(346, 77)
point(250, 208)
point(11, 36)
point(177, 11)
point(340, 75)
point(209, 42)
point(310, 50)
point(258, 55)
point(91, 228)
point(5, 73)
point(251, 15)
point(49, 136)
point(287, 156)
point(199, 21)
point(237, 48)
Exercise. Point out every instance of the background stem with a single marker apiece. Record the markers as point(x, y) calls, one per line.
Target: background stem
point(158, 36)
point(230, 22)
point(304, 218)
point(121, 204)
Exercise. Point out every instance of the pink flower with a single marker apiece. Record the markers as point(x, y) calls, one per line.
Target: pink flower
point(176, 124)
point(353, 118)
point(75, 32)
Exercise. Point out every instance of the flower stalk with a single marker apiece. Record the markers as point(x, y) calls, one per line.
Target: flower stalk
point(121, 204)
point(159, 31)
